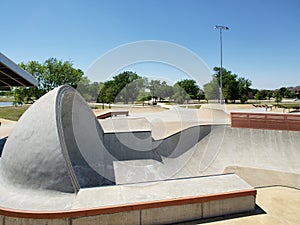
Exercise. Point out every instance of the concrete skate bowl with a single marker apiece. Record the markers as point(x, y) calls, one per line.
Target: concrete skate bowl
point(222, 150)
point(57, 164)
point(58, 147)
point(72, 142)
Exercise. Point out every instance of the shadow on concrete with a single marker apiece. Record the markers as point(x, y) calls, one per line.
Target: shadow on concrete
point(180, 142)
point(258, 211)
point(2, 143)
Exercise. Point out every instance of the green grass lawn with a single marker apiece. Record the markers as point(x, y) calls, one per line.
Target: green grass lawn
point(6, 99)
point(12, 112)
point(288, 105)
point(191, 106)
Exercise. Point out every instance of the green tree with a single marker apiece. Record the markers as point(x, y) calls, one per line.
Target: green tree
point(180, 95)
point(165, 90)
point(286, 93)
point(107, 92)
point(190, 87)
point(154, 86)
point(52, 73)
point(233, 87)
point(160, 89)
point(263, 95)
point(56, 73)
point(143, 96)
point(88, 90)
point(200, 95)
point(278, 96)
point(212, 89)
point(244, 89)
point(229, 84)
point(124, 87)
point(131, 90)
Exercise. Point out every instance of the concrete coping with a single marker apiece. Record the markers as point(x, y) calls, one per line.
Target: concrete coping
point(127, 124)
point(75, 213)
point(195, 190)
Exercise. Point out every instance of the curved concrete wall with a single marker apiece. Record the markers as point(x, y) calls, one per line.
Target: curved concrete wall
point(32, 156)
point(207, 150)
point(82, 145)
point(57, 145)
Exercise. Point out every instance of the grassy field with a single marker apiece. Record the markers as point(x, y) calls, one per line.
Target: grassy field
point(191, 106)
point(12, 112)
point(6, 99)
point(288, 105)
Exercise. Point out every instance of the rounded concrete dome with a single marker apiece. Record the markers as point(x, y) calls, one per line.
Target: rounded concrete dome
point(54, 144)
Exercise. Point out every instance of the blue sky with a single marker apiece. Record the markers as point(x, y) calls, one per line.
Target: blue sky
point(263, 42)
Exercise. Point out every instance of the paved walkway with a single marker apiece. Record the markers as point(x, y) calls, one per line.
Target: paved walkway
point(6, 127)
point(277, 205)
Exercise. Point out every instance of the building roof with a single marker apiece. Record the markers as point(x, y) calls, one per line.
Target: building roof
point(11, 75)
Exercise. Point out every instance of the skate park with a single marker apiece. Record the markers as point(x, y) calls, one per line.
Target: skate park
point(178, 165)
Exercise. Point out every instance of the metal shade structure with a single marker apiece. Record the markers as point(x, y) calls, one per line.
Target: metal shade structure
point(11, 75)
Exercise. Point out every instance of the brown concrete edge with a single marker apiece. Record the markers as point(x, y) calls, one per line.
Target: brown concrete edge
point(123, 208)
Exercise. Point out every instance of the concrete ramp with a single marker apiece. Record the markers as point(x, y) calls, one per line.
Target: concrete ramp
point(218, 147)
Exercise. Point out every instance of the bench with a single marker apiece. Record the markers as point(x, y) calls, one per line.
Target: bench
point(111, 114)
point(268, 107)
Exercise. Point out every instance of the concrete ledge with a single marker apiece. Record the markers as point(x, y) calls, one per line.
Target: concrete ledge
point(123, 208)
point(169, 201)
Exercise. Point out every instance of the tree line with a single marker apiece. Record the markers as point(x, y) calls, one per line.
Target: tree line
point(129, 87)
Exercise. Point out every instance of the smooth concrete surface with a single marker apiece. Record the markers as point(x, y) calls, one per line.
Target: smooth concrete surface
point(278, 205)
point(174, 151)
point(32, 155)
point(6, 127)
point(54, 150)
point(156, 191)
point(18, 197)
point(221, 147)
point(265, 178)
point(122, 135)
point(125, 124)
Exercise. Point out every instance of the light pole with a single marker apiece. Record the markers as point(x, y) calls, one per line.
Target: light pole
point(221, 86)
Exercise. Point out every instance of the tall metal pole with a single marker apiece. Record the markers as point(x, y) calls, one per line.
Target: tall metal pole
point(221, 83)
point(221, 68)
